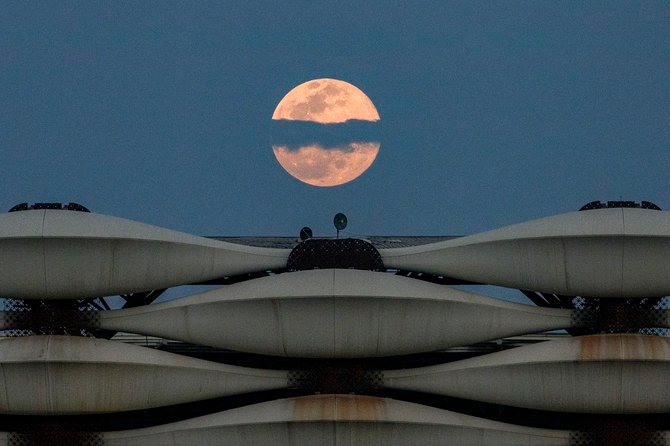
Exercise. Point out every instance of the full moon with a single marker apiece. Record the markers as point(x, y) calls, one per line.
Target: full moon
point(329, 124)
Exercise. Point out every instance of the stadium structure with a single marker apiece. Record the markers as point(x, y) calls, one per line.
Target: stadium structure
point(346, 341)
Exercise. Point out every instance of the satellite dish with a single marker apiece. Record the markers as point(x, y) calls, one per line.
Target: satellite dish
point(340, 222)
point(305, 233)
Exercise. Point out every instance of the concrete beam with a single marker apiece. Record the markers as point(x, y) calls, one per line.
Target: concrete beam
point(331, 420)
point(335, 313)
point(605, 374)
point(55, 375)
point(56, 254)
point(599, 253)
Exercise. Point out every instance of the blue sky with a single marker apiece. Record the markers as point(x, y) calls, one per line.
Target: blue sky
point(492, 112)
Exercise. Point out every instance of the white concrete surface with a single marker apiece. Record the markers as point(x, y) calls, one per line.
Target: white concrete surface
point(335, 313)
point(334, 420)
point(50, 375)
point(608, 374)
point(56, 254)
point(598, 253)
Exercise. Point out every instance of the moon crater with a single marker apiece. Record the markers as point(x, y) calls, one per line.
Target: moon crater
point(324, 136)
point(320, 166)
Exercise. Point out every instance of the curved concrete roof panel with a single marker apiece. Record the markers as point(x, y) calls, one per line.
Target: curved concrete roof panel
point(56, 254)
point(335, 313)
point(608, 374)
point(50, 375)
point(598, 253)
point(334, 419)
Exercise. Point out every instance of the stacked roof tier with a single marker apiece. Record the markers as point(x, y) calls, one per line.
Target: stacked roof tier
point(57, 254)
point(598, 253)
point(53, 254)
point(329, 322)
point(606, 374)
point(49, 375)
point(328, 313)
point(335, 420)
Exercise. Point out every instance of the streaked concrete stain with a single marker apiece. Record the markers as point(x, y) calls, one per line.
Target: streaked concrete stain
point(334, 420)
point(608, 374)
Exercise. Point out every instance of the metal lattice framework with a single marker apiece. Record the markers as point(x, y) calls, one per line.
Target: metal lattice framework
point(644, 316)
point(335, 253)
point(55, 435)
point(66, 207)
point(618, 433)
point(336, 379)
point(49, 317)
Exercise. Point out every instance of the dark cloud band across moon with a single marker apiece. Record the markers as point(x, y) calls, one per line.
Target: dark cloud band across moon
point(296, 134)
point(325, 132)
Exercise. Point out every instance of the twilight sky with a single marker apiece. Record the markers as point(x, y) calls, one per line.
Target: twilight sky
point(492, 113)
